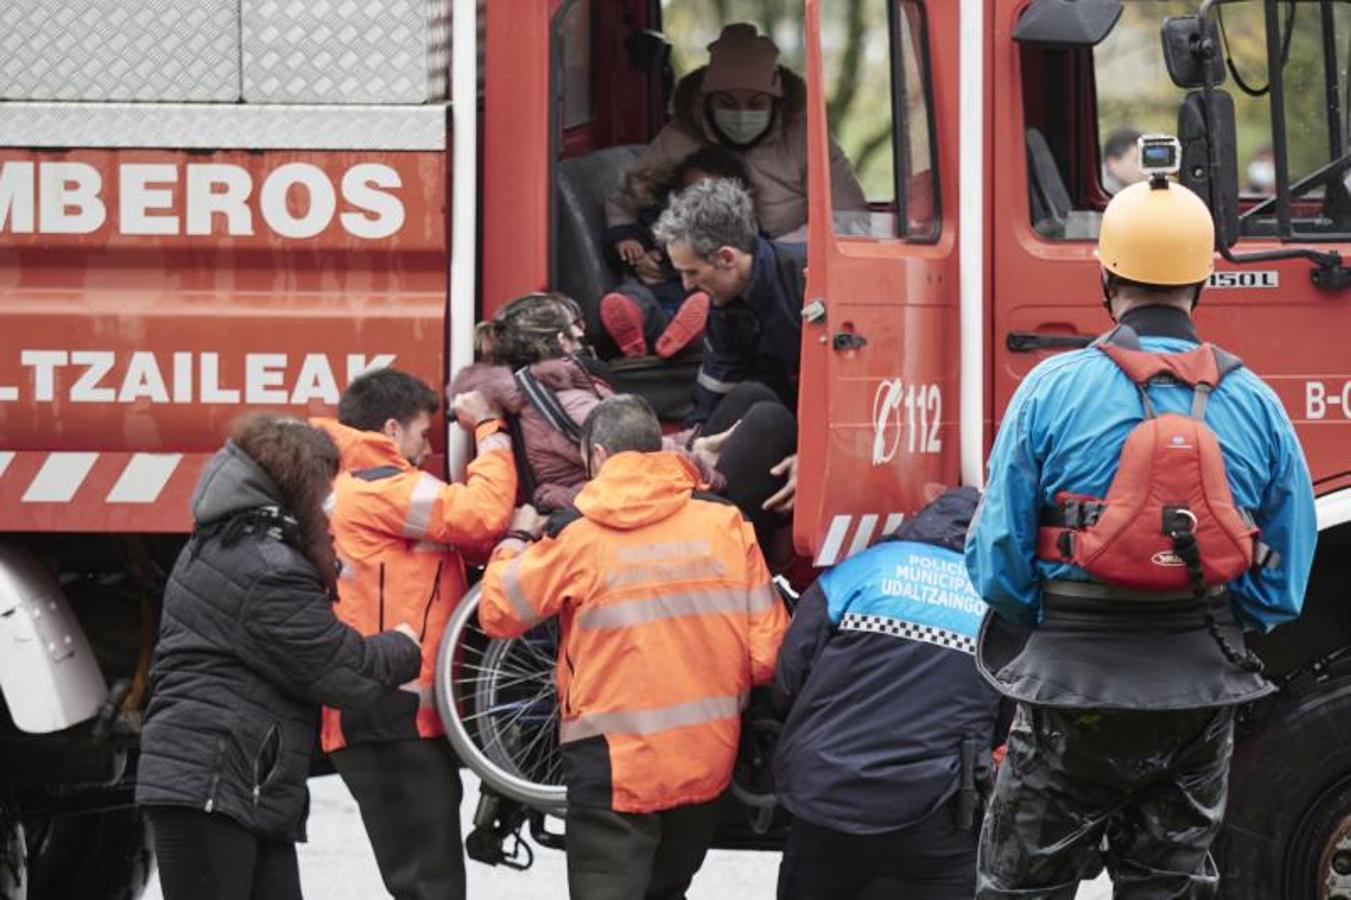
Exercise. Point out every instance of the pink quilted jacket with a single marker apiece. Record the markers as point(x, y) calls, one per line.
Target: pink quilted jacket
point(554, 460)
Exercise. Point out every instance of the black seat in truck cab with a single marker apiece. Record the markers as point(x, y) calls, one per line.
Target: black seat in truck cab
point(583, 272)
point(584, 184)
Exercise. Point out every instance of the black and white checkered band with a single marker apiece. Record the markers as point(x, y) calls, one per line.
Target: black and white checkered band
point(939, 637)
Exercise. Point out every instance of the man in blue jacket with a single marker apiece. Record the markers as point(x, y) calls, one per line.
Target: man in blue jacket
point(1124, 728)
point(889, 727)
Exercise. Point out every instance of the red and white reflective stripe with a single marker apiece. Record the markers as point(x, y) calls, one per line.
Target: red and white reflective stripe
point(97, 491)
point(144, 478)
point(860, 530)
point(61, 475)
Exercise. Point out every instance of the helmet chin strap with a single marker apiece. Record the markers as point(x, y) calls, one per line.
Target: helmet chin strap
point(1105, 281)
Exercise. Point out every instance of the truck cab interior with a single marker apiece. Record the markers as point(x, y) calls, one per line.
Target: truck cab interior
point(1278, 132)
point(614, 69)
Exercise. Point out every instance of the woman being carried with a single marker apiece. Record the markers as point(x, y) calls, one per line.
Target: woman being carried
point(538, 341)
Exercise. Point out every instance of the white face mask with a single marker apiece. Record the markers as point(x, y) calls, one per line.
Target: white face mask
point(743, 126)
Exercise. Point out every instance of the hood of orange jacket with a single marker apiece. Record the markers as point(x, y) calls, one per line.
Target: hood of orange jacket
point(637, 489)
point(361, 449)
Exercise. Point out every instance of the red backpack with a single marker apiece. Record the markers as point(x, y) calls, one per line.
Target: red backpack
point(1168, 522)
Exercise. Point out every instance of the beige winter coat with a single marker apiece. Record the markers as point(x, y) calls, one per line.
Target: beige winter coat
point(777, 165)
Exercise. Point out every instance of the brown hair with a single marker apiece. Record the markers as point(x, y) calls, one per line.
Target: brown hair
point(302, 462)
point(525, 331)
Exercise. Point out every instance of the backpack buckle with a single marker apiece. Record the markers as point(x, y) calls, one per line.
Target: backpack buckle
point(1178, 520)
point(1072, 510)
point(1065, 544)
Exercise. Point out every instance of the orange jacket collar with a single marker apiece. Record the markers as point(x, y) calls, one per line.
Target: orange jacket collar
point(362, 449)
point(636, 489)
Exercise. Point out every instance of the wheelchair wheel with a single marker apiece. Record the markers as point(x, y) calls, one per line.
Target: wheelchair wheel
point(499, 705)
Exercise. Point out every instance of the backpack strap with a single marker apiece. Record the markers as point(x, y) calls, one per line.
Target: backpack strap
point(1125, 337)
point(1122, 336)
point(546, 403)
point(525, 475)
point(1225, 362)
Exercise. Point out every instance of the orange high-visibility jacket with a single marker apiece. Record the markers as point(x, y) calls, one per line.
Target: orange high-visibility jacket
point(398, 532)
point(667, 618)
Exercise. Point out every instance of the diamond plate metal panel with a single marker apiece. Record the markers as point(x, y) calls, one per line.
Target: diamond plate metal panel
point(169, 50)
point(345, 51)
point(223, 127)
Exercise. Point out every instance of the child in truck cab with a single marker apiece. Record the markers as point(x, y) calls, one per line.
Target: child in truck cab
point(651, 307)
point(748, 104)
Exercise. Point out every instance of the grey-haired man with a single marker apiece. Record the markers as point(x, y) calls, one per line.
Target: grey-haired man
point(753, 334)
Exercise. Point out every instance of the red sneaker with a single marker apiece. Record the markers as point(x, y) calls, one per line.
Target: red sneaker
point(685, 326)
point(623, 321)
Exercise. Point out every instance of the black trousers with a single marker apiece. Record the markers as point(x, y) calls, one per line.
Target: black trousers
point(766, 434)
point(628, 856)
point(1152, 784)
point(930, 860)
point(206, 856)
point(409, 794)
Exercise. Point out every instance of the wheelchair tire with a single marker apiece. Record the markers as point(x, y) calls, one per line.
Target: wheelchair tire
point(499, 706)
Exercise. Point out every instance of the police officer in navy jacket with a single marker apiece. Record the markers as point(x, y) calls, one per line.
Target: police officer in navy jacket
point(888, 726)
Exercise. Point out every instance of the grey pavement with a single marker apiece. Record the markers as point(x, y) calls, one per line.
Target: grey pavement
point(337, 863)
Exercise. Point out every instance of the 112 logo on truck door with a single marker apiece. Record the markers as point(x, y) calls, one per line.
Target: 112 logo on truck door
point(923, 410)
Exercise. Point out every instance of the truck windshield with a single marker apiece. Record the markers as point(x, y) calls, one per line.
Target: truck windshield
point(1291, 130)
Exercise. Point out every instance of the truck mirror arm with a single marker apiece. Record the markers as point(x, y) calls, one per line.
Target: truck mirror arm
point(1329, 273)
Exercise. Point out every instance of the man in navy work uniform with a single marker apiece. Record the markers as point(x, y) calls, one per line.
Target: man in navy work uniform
point(889, 726)
point(1124, 728)
point(748, 375)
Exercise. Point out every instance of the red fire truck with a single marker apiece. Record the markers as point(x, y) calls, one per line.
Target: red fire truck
point(209, 206)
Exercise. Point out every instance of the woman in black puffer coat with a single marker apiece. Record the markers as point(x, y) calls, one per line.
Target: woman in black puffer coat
point(249, 649)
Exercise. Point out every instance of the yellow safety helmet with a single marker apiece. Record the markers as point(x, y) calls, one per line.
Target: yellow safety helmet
point(1157, 235)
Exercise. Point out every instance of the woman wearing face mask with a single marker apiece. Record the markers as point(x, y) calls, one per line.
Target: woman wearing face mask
point(744, 101)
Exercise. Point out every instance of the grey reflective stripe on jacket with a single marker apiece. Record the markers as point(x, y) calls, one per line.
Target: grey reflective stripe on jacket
point(649, 721)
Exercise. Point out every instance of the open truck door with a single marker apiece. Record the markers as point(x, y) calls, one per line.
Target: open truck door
point(877, 407)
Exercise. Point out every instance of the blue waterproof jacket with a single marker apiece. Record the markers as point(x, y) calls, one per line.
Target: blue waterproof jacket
point(877, 682)
point(757, 336)
point(1063, 431)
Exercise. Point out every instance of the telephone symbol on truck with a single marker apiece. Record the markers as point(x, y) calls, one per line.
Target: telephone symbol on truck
point(923, 410)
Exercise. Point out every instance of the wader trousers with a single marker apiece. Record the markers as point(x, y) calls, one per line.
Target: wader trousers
point(1152, 784)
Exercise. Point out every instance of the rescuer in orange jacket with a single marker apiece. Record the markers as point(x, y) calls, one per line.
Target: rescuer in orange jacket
point(398, 533)
point(667, 618)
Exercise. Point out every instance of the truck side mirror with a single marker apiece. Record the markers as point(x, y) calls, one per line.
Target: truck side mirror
point(1198, 128)
point(1188, 49)
point(1067, 23)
